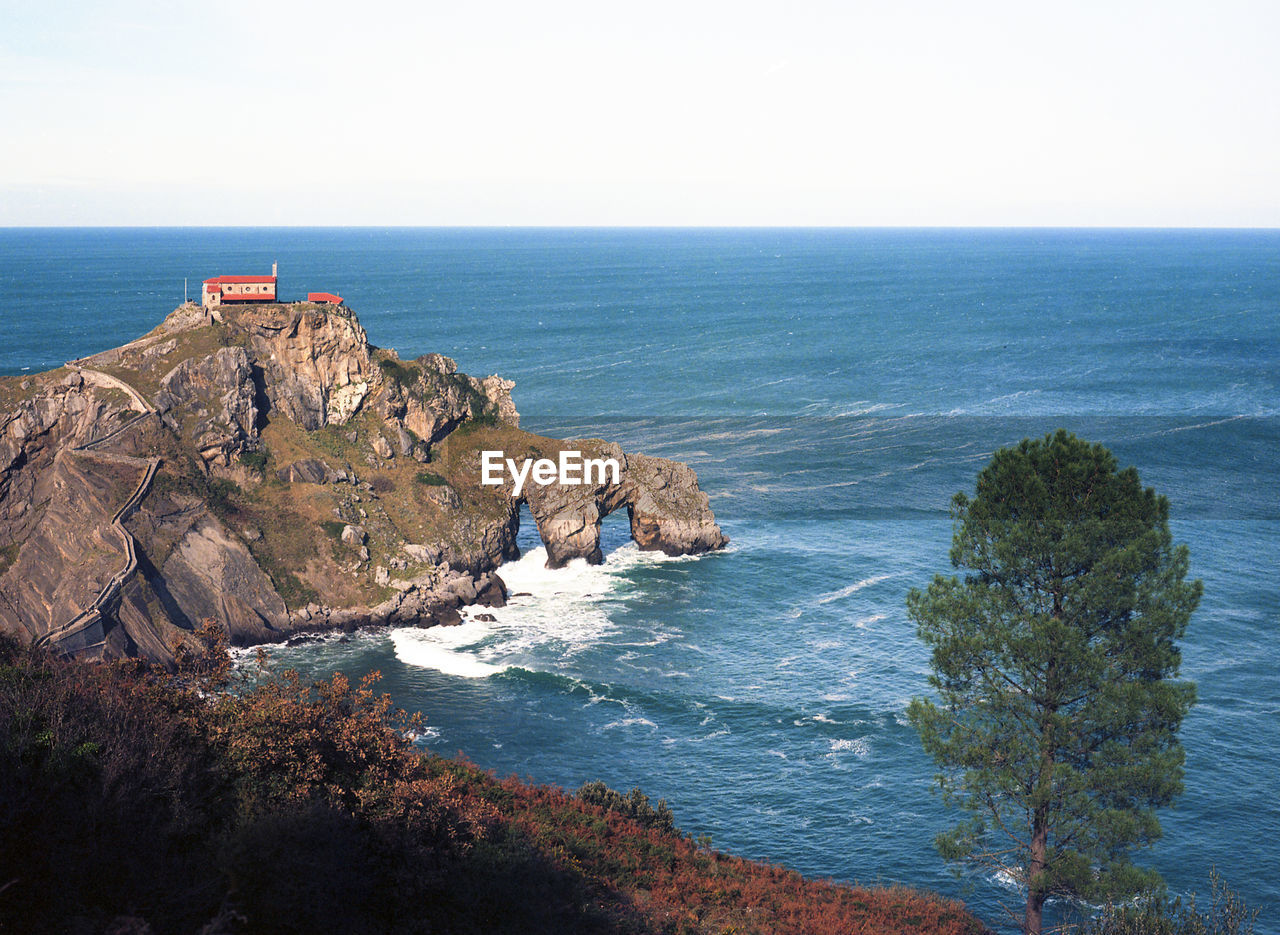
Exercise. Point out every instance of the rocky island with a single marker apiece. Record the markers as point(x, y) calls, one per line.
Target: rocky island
point(265, 467)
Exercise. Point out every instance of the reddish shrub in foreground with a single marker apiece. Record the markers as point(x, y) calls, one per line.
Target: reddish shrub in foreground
point(663, 881)
point(133, 799)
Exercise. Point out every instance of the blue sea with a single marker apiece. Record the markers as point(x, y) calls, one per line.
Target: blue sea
point(833, 389)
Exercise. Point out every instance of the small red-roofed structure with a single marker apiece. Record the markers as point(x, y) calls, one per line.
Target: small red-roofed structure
point(222, 290)
point(325, 298)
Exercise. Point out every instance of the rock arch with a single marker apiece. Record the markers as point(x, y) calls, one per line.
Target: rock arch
point(666, 509)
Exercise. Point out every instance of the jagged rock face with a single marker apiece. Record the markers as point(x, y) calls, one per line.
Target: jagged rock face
point(315, 363)
point(310, 471)
point(71, 413)
point(31, 438)
point(498, 392)
point(100, 558)
point(219, 395)
point(439, 399)
point(212, 576)
point(668, 511)
point(489, 543)
point(198, 570)
point(66, 527)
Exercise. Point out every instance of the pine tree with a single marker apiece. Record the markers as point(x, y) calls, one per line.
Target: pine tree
point(1055, 665)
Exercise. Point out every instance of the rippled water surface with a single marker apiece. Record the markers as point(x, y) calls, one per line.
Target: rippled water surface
point(833, 389)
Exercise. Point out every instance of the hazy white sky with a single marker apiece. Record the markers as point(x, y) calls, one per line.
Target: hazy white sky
point(893, 112)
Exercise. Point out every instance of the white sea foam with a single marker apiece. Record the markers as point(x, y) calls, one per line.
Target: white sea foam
point(558, 613)
point(424, 735)
point(444, 649)
point(852, 589)
point(630, 722)
point(858, 746)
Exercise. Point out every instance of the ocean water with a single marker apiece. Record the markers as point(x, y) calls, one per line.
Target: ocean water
point(833, 389)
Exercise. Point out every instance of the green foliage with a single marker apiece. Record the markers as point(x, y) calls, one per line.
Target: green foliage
point(1226, 914)
point(292, 590)
point(634, 805)
point(1055, 664)
point(222, 494)
point(8, 555)
point(256, 460)
point(430, 479)
point(330, 439)
point(332, 527)
point(398, 372)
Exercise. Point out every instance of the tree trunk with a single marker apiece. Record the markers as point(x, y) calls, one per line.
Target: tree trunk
point(1034, 919)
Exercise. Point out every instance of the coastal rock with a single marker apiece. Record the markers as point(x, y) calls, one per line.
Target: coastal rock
point(126, 523)
point(443, 496)
point(211, 576)
point(315, 363)
point(212, 401)
point(491, 591)
point(308, 471)
point(498, 392)
point(421, 553)
point(427, 398)
point(668, 512)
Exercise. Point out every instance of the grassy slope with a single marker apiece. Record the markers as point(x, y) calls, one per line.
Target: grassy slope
point(140, 802)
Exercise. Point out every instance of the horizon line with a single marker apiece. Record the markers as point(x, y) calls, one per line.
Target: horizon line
point(654, 227)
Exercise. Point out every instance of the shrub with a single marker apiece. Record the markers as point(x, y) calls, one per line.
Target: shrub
point(133, 795)
point(1226, 914)
point(8, 555)
point(222, 493)
point(397, 372)
point(634, 805)
point(255, 460)
point(430, 479)
point(332, 527)
point(381, 484)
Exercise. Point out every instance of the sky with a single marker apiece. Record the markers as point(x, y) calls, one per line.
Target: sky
point(489, 112)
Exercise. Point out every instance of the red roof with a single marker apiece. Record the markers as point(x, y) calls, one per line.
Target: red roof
point(324, 297)
point(229, 279)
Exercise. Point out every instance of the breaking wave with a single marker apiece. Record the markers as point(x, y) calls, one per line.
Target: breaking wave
point(550, 614)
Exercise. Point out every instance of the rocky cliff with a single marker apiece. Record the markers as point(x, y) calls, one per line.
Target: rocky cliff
point(268, 468)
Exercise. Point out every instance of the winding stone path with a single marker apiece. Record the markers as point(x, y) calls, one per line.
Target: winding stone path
point(85, 629)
